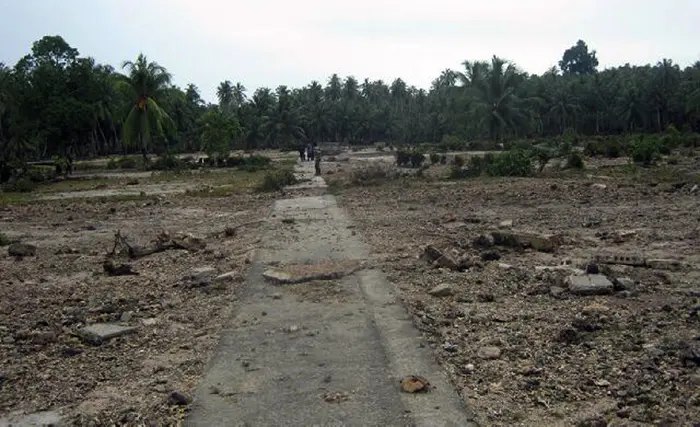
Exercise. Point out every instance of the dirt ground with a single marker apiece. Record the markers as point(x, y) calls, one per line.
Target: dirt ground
point(521, 348)
point(46, 299)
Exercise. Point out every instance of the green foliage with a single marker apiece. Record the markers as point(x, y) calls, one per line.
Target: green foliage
point(575, 160)
point(543, 154)
point(20, 185)
point(511, 163)
point(54, 102)
point(458, 161)
point(645, 151)
point(443, 159)
point(219, 129)
point(252, 163)
point(276, 180)
point(434, 158)
point(412, 157)
point(168, 162)
point(4, 240)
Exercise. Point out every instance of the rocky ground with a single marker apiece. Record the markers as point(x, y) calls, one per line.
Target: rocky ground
point(523, 344)
point(176, 302)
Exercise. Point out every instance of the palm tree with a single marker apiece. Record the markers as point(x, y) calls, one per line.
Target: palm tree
point(225, 94)
point(239, 94)
point(145, 83)
point(498, 105)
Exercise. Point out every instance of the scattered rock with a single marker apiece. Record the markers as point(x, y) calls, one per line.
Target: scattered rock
point(442, 290)
point(483, 242)
point(21, 250)
point(506, 224)
point(694, 189)
point(126, 316)
point(592, 269)
point(504, 266)
point(623, 284)
point(414, 384)
point(178, 398)
point(151, 321)
point(276, 295)
point(44, 418)
point(599, 186)
point(489, 353)
point(336, 396)
point(201, 276)
point(469, 368)
point(664, 264)
point(538, 242)
point(490, 256)
point(622, 259)
point(227, 277)
point(101, 332)
point(556, 291)
point(592, 284)
point(113, 269)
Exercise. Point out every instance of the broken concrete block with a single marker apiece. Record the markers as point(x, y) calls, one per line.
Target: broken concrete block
point(538, 242)
point(100, 332)
point(623, 259)
point(591, 284)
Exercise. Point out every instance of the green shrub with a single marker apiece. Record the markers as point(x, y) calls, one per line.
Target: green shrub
point(673, 160)
point(543, 155)
point(511, 163)
point(409, 158)
point(593, 148)
point(613, 149)
point(127, 163)
point(372, 174)
point(434, 158)
point(168, 162)
point(39, 174)
point(645, 151)
point(575, 160)
point(443, 159)
point(4, 240)
point(458, 161)
point(112, 164)
point(277, 180)
point(20, 185)
point(452, 143)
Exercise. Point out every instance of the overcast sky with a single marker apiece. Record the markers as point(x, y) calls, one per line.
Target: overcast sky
point(268, 43)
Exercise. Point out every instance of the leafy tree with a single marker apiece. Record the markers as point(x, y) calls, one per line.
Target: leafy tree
point(578, 60)
point(219, 129)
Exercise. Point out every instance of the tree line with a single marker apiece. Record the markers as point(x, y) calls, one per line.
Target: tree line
point(56, 103)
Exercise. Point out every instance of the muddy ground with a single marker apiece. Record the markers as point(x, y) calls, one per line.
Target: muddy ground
point(521, 348)
point(46, 299)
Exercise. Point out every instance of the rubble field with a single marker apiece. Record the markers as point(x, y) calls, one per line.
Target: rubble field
point(570, 299)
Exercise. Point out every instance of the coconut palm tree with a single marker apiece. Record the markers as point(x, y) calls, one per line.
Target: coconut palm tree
point(225, 94)
point(145, 83)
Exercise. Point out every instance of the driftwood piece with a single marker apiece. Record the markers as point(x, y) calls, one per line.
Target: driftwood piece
point(162, 243)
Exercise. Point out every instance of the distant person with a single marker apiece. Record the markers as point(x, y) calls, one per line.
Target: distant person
point(301, 153)
point(317, 163)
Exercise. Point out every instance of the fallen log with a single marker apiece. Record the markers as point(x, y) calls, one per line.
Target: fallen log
point(162, 243)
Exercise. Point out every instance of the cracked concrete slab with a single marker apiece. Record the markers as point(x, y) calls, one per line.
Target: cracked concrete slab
point(279, 368)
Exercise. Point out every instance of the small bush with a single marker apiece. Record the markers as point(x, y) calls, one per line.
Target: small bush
point(168, 162)
point(127, 163)
point(434, 158)
point(593, 149)
point(511, 163)
point(645, 151)
point(39, 174)
point(575, 160)
point(277, 180)
point(452, 143)
point(380, 147)
point(458, 161)
point(543, 156)
point(443, 159)
point(372, 174)
point(4, 240)
point(20, 185)
point(413, 158)
point(112, 164)
point(613, 149)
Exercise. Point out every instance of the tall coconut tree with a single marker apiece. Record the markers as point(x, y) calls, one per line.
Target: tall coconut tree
point(145, 83)
point(225, 94)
